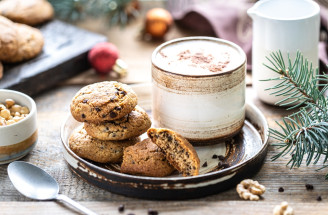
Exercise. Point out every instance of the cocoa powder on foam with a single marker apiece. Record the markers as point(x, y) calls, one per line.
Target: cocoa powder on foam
point(204, 61)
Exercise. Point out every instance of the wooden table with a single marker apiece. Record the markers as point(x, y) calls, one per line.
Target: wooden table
point(53, 108)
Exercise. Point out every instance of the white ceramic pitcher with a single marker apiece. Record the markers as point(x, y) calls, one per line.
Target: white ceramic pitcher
point(285, 25)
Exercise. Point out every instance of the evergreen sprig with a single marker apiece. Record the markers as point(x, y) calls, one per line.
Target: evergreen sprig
point(303, 134)
point(74, 10)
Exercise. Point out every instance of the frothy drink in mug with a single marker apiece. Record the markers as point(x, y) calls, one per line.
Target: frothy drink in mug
point(200, 57)
point(199, 88)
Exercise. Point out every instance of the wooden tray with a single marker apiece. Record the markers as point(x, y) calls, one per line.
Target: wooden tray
point(63, 56)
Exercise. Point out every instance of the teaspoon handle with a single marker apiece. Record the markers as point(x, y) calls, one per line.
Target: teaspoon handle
point(76, 205)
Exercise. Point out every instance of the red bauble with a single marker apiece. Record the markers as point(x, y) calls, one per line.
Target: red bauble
point(103, 56)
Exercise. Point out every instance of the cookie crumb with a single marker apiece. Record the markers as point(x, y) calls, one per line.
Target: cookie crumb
point(319, 199)
point(205, 164)
point(309, 187)
point(281, 189)
point(152, 212)
point(223, 165)
point(221, 157)
point(121, 208)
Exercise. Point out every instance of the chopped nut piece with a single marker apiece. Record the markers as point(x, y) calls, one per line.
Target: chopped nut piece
point(250, 190)
point(9, 103)
point(283, 209)
point(12, 112)
point(16, 108)
point(5, 114)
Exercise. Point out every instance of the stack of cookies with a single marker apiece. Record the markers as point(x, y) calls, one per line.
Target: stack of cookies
point(111, 118)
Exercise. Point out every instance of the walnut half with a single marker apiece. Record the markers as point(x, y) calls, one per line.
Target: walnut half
point(250, 190)
point(283, 209)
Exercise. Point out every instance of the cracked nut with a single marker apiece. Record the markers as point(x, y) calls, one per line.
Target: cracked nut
point(283, 209)
point(250, 190)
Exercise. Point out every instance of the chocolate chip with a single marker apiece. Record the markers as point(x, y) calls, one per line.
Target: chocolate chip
point(97, 109)
point(85, 101)
point(152, 212)
point(83, 115)
point(319, 199)
point(112, 98)
point(117, 108)
point(104, 115)
point(121, 208)
point(169, 138)
point(309, 186)
point(221, 157)
point(214, 156)
point(112, 114)
point(281, 189)
point(123, 93)
point(205, 164)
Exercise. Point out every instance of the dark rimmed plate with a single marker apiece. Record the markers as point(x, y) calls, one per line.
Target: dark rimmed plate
point(240, 158)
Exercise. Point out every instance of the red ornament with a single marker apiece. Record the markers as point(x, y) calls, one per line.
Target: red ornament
point(103, 57)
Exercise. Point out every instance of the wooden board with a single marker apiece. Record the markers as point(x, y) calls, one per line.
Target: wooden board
point(63, 56)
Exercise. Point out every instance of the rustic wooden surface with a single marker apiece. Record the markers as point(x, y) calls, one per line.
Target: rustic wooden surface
point(53, 108)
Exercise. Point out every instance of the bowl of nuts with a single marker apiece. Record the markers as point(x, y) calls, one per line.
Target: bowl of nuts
point(18, 125)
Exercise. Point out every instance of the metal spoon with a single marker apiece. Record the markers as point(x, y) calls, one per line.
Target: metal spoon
point(35, 183)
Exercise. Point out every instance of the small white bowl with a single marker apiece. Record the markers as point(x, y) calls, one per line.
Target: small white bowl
point(18, 139)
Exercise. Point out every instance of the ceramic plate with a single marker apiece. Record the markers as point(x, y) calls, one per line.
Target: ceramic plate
point(240, 158)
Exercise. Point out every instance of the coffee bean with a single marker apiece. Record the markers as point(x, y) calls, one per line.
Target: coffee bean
point(121, 208)
point(309, 186)
point(152, 212)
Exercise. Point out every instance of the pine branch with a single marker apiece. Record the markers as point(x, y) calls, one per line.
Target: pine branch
point(74, 10)
point(304, 134)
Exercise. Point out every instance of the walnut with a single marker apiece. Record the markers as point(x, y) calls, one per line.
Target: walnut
point(283, 209)
point(249, 189)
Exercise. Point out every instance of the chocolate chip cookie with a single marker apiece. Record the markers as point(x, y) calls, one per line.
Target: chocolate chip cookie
point(18, 42)
point(30, 43)
point(179, 152)
point(145, 158)
point(8, 39)
point(29, 12)
point(131, 125)
point(96, 150)
point(103, 101)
